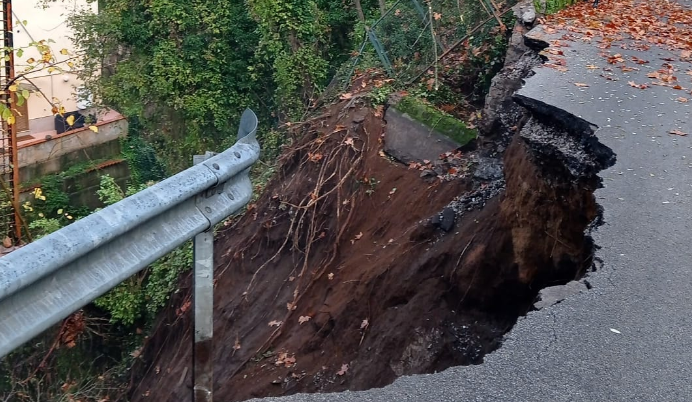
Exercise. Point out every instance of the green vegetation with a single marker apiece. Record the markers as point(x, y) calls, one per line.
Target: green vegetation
point(187, 70)
point(141, 157)
point(84, 358)
point(436, 119)
point(552, 6)
point(182, 72)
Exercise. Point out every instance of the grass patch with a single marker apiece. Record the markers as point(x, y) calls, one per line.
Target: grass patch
point(436, 119)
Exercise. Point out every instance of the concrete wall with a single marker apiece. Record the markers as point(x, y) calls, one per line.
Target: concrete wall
point(53, 154)
point(411, 141)
point(44, 24)
point(82, 188)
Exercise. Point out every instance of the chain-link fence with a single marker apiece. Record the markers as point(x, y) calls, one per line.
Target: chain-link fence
point(413, 35)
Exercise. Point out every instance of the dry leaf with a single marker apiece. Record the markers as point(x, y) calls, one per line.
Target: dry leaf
point(285, 359)
point(136, 353)
point(275, 323)
point(348, 141)
point(330, 276)
point(635, 85)
point(344, 369)
point(346, 96)
point(304, 319)
point(677, 132)
point(682, 99)
point(364, 324)
point(7, 242)
point(591, 67)
point(437, 16)
point(290, 306)
point(357, 237)
point(316, 157)
point(581, 84)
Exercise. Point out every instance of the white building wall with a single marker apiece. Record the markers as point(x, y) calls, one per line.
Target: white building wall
point(46, 21)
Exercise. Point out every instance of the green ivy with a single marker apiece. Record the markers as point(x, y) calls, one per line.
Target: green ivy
point(184, 68)
point(141, 157)
point(294, 47)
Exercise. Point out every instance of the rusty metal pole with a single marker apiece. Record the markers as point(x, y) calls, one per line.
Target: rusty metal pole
point(11, 128)
point(203, 307)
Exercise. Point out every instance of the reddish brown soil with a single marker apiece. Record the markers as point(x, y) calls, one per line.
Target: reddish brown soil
point(380, 292)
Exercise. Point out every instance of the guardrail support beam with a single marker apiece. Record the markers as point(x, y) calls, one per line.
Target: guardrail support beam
point(203, 307)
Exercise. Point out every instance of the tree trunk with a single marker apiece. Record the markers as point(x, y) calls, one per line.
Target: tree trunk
point(383, 7)
point(359, 8)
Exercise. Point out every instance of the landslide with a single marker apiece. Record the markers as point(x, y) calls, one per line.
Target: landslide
point(340, 276)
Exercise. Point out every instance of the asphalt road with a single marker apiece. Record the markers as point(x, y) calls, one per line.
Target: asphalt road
point(629, 338)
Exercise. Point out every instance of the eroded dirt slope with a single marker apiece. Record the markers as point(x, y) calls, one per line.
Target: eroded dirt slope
point(340, 277)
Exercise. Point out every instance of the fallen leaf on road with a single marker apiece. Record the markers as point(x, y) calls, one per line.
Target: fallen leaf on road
point(617, 58)
point(638, 60)
point(275, 323)
point(682, 99)
point(581, 84)
point(635, 85)
point(677, 132)
point(304, 319)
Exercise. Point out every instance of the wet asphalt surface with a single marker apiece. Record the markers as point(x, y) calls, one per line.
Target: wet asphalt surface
point(629, 338)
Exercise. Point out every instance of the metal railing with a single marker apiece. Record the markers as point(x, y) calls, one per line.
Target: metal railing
point(47, 280)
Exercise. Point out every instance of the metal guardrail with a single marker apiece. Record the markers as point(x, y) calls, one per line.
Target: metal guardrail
point(47, 280)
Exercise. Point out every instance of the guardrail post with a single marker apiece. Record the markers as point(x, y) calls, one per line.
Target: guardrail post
point(203, 302)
